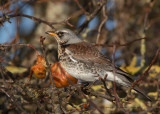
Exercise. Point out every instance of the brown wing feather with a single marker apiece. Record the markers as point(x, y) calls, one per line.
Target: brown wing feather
point(87, 52)
point(91, 55)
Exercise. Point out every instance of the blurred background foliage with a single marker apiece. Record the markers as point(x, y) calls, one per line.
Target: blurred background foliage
point(116, 21)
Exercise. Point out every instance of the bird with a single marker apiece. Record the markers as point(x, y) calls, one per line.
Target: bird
point(85, 62)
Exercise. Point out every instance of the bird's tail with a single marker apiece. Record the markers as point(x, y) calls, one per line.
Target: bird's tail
point(142, 92)
point(128, 82)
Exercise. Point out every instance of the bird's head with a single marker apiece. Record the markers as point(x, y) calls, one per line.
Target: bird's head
point(65, 36)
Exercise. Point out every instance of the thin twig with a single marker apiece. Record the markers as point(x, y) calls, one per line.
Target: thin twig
point(2, 74)
point(114, 73)
point(13, 100)
point(88, 100)
point(104, 83)
point(79, 5)
point(59, 110)
point(6, 18)
point(148, 10)
point(114, 83)
point(92, 15)
point(102, 23)
point(146, 72)
point(102, 96)
point(118, 44)
point(150, 109)
point(19, 44)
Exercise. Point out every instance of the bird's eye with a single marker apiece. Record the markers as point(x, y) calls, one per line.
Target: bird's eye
point(60, 34)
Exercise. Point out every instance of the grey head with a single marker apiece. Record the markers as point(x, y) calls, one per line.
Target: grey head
point(65, 36)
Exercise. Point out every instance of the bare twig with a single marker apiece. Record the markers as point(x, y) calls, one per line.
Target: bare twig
point(6, 18)
point(102, 96)
point(158, 88)
point(13, 100)
point(79, 5)
point(146, 72)
point(114, 83)
point(18, 44)
point(118, 44)
point(92, 15)
point(104, 83)
point(151, 109)
point(2, 74)
point(88, 100)
point(102, 23)
point(59, 109)
point(3, 19)
point(114, 73)
point(148, 10)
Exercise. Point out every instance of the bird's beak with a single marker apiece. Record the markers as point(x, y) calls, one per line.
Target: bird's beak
point(52, 33)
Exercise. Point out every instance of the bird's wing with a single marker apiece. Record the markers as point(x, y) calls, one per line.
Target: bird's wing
point(87, 53)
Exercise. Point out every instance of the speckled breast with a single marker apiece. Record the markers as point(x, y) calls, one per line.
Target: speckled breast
point(78, 69)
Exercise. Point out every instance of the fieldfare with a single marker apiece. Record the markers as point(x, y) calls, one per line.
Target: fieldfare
point(85, 62)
